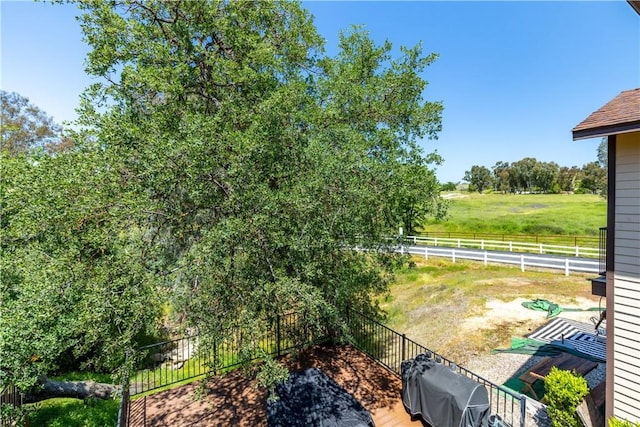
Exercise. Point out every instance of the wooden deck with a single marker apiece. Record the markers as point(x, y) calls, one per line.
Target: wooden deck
point(232, 400)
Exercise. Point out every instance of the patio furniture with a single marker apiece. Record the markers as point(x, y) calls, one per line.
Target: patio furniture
point(565, 361)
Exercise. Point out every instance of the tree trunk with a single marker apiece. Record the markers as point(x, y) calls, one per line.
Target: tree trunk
point(77, 389)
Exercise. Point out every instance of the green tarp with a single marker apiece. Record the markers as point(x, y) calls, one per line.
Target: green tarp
point(551, 308)
point(541, 348)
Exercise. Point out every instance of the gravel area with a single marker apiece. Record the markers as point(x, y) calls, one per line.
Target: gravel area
point(498, 368)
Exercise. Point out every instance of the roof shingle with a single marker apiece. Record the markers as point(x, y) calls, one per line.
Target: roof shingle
point(621, 114)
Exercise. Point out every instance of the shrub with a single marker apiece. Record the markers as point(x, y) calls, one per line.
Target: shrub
point(563, 392)
point(615, 422)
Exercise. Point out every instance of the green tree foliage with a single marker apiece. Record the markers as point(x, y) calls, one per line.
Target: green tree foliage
point(227, 164)
point(545, 175)
point(603, 160)
point(531, 175)
point(603, 153)
point(416, 196)
point(479, 178)
point(501, 177)
point(73, 291)
point(594, 178)
point(523, 173)
point(449, 186)
point(24, 127)
point(568, 178)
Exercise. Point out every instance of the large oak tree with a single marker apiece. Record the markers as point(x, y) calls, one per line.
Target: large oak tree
point(226, 167)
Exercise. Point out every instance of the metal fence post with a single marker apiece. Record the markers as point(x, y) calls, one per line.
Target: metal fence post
point(278, 334)
point(124, 410)
point(404, 345)
point(215, 357)
point(523, 411)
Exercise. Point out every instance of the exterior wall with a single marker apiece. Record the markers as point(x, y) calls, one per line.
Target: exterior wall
point(624, 372)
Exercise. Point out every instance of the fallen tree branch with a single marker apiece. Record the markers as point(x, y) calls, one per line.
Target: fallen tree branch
point(76, 389)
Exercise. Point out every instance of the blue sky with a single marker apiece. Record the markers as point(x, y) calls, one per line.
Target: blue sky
point(514, 77)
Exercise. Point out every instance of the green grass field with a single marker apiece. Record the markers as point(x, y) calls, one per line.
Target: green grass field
point(537, 214)
point(67, 412)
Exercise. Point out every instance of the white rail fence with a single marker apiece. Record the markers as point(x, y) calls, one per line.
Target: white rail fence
point(497, 245)
point(523, 260)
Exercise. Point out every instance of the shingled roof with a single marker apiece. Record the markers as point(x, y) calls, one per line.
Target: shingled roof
point(620, 115)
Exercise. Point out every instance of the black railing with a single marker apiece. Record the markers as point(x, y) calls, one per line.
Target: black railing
point(383, 344)
point(182, 360)
point(125, 396)
point(124, 408)
point(391, 348)
point(602, 246)
point(11, 413)
point(171, 362)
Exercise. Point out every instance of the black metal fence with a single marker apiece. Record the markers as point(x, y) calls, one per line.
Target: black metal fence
point(11, 414)
point(175, 361)
point(390, 348)
point(185, 359)
point(383, 344)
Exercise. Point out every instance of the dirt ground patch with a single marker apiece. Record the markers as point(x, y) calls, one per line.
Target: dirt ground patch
point(503, 320)
point(498, 312)
point(464, 310)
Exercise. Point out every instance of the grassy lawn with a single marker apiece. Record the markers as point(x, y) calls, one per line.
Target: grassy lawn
point(67, 412)
point(568, 214)
point(435, 303)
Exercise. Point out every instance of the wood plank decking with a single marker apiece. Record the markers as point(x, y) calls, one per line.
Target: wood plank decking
point(232, 400)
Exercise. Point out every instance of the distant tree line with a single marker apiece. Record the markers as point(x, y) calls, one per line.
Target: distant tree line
point(532, 176)
point(26, 128)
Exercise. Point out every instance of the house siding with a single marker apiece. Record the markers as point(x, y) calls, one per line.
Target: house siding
point(626, 295)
